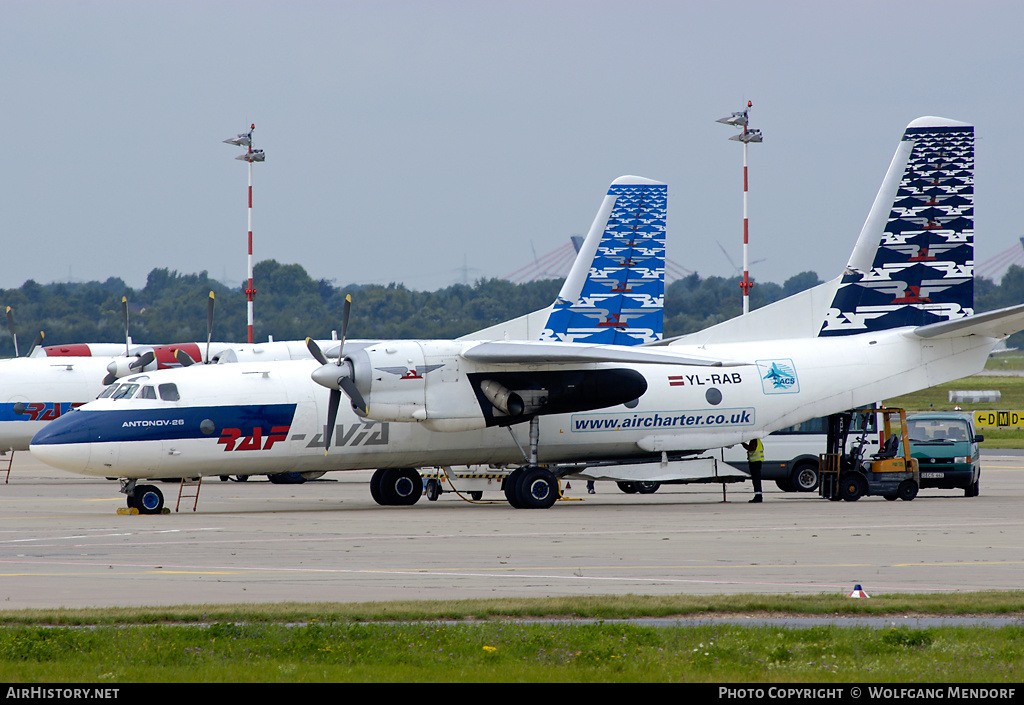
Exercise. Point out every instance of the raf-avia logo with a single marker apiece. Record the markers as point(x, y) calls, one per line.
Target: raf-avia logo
point(778, 376)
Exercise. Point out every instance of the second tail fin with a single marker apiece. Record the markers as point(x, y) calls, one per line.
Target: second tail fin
point(914, 259)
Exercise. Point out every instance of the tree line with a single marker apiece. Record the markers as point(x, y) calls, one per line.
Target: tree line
point(290, 305)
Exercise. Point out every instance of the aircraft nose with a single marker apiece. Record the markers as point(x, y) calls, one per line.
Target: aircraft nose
point(63, 444)
point(73, 457)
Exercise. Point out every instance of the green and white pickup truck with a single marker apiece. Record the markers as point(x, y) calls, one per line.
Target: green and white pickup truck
point(946, 447)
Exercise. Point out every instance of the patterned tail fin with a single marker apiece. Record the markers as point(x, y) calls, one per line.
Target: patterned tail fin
point(615, 293)
point(914, 261)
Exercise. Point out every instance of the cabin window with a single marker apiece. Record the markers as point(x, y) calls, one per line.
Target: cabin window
point(169, 392)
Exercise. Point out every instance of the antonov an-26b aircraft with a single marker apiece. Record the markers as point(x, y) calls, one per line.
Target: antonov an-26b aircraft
point(898, 319)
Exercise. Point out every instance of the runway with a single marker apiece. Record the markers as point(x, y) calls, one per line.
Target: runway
point(62, 544)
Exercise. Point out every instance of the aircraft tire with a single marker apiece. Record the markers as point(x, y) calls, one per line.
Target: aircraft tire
point(375, 487)
point(627, 487)
point(148, 499)
point(509, 487)
point(538, 489)
point(647, 487)
point(401, 487)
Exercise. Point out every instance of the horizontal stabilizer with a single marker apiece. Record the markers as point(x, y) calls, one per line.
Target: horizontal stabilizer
point(501, 352)
point(991, 324)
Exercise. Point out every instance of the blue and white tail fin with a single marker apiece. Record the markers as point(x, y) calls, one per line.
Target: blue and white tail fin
point(914, 260)
point(913, 263)
point(615, 291)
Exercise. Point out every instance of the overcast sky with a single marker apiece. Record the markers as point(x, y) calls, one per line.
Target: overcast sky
point(404, 139)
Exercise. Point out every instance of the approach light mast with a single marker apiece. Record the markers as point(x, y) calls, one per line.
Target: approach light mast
point(252, 155)
point(746, 137)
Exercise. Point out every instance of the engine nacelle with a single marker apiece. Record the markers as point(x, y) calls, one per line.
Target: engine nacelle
point(430, 383)
point(143, 359)
point(421, 381)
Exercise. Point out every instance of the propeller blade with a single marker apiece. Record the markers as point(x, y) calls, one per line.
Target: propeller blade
point(349, 387)
point(315, 351)
point(143, 360)
point(337, 380)
point(332, 418)
point(124, 315)
point(36, 343)
point(111, 374)
point(10, 327)
point(209, 327)
point(183, 358)
point(344, 326)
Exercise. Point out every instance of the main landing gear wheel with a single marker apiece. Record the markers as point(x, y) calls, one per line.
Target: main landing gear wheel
point(531, 488)
point(396, 486)
point(148, 499)
point(510, 487)
point(537, 488)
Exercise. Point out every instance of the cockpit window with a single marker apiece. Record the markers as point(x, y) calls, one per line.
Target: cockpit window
point(169, 392)
point(125, 391)
point(108, 391)
point(147, 392)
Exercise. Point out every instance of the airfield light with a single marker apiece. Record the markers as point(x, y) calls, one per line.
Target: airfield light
point(250, 156)
point(742, 119)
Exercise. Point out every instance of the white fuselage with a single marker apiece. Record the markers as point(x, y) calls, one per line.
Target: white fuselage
point(254, 418)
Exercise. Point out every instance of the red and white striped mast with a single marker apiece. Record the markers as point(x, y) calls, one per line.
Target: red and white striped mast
point(747, 136)
point(251, 155)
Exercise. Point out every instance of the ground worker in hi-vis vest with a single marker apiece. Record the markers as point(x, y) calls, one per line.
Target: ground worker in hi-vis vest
point(755, 456)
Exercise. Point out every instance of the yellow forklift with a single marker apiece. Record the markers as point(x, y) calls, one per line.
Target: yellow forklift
point(848, 475)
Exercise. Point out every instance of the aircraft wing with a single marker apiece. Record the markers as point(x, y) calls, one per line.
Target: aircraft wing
point(527, 352)
point(992, 324)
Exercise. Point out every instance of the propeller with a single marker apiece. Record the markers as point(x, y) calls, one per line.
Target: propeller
point(112, 367)
point(10, 327)
point(140, 361)
point(143, 360)
point(183, 358)
point(209, 327)
point(337, 376)
point(36, 343)
point(124, 315)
